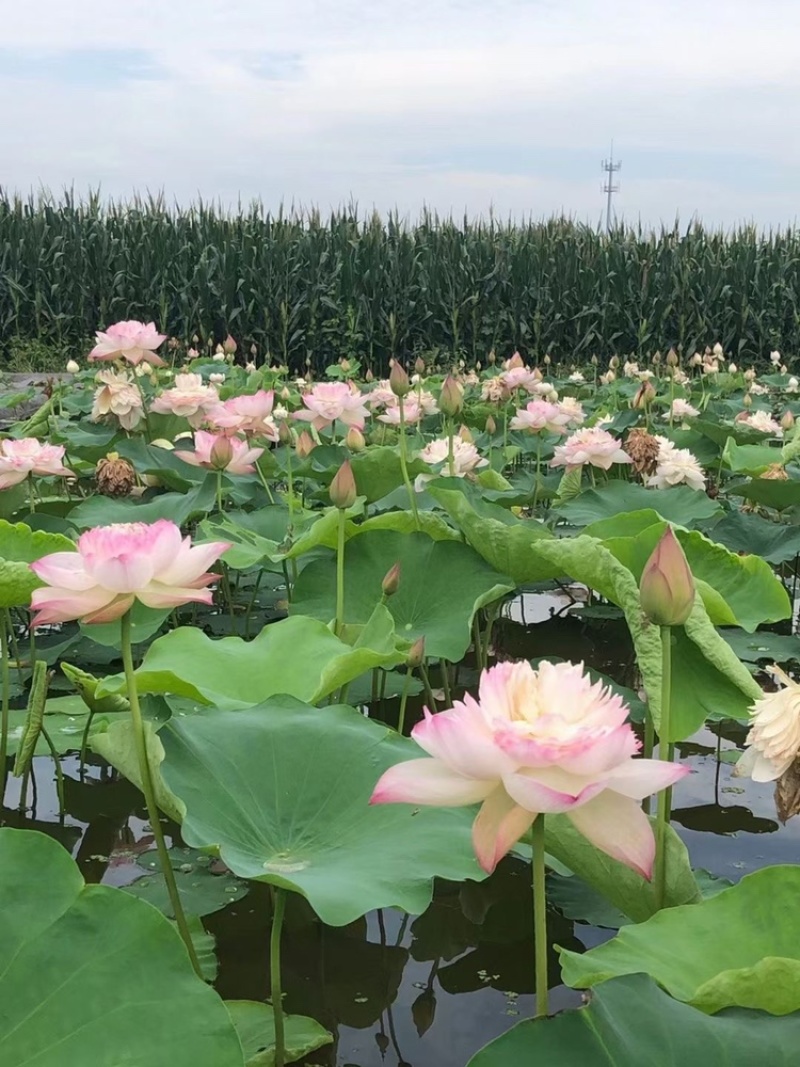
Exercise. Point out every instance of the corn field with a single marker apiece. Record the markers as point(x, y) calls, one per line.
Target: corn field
point(307, 289)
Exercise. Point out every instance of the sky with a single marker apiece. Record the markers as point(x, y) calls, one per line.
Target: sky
point(461, 106)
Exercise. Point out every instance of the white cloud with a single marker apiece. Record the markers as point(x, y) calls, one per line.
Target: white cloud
point(452, 103)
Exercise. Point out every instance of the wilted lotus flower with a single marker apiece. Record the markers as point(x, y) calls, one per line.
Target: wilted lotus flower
point(667, 589)
point(27, 456)
point(536, 741)
point(221, 452)
point(774, 738)
point(644, 395)
point(132, 341)
point(116, 565)
point(591, 445)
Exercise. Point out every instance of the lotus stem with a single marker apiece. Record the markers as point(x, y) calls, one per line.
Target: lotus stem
point(451, 467)
point(401, 718)
point(31, 495)
point(539, 916)
point(339, 623)
point(665, 753)
point(5, 626)
point(647, 749)
point(412, 496)
point(153, 814)
point(279, 908)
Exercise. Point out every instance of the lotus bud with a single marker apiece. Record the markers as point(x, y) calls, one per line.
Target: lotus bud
point(419, 365)
point(466, 435)
point(775, 357)
point(72, 367)
point(216, 379)
point(451, 398)
point(195, 339)
point(537, 375)
point(355, 440)
point(305, 445)
point(645, 395)
point(398, 380)
point(491, 426)
point(547, 361)
point(594, 361)
point(416, 654)
point(369, 376)
point(478, 367)
point(787, 422)
point(285, 392)
point(219, 355)
point(345, 365)
point(656, 359)
point(667, 587)
point(515, 361)
point(750, 375)
point(696, 360)
point(253, 350)
point(718, 351)
point(250, 368)
point(747, 400)
point(391, 580)
point(672, 358)
point(732, 368)
point(192, 353)
point(492, 357)
point(285, 434)
point(308, 361)
point(342, 490)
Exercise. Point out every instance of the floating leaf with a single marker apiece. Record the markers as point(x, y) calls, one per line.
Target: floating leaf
point(255, 1025)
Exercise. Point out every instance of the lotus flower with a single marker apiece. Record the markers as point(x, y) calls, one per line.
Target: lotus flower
point(117, 395)
point(190, 398)
point(251, 413)
point(676, 466)
point(591, 445)
point(466, 458)
point(133, 341)
point(536, 741)
point(412, 413)
point(540, 415)
point(27, 456)
point(116, 565)
point(682, 409)
point(330, 401)
point(221, 452)
point(774, 738)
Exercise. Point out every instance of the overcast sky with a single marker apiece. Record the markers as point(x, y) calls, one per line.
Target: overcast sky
point(457, 104)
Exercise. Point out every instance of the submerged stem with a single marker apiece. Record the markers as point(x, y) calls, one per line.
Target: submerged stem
point(140, 741)
point(539, 916)
point(665, 752)
point(279, 899)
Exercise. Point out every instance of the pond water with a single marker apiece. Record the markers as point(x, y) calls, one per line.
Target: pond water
point(426, 991)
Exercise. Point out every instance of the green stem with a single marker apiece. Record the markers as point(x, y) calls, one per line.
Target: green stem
point(279, 899)
point(401, 718)
point(539, 916)
point(31, 495)
point(451, 467)
point(219, 492)
point(536, 474)
point(5, 624)
point(340, 574)
point(428, 688)
point(289, 488)
point(266, 485)
point(140, 741)
point(647, 750)
point(664, 749)
point(412, 496)
point(446, 682)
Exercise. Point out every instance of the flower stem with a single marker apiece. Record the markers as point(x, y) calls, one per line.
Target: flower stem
point(647, 749)
point(31, 495)
point(664, 797)
point(140, 741)
point(5, 625)
point(412, 496)
point(279, 899)
point(219, 492)
point(339, 624)
point(401, 718)
point(539, 916)
point(450, 461)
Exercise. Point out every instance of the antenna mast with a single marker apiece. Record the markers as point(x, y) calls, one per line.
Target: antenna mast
point(610, 186)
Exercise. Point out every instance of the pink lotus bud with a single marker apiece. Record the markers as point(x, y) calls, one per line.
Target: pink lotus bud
point(305, 445)
point(221, 453)
point(285, 393)
point(491, 426)
point(285, 434)
point(515, 361)
point(466, 435)
point(419, 365)
point(343, 487)
point(667, 586)
point(355, 440)
point(398, 380)
point(451, 398)
point(391, 580)
point(787, 421)
point(416, 654)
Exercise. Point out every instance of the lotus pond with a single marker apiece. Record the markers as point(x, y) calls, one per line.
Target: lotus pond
point(444, 720)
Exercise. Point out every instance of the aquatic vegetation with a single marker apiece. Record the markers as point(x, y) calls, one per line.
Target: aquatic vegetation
point(289, 613)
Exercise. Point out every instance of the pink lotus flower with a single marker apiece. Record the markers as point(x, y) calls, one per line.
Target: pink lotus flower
point(27, 456)
point(519, 378)
point(249, 414)
point(117, 395)
point(466, 459)
point(221, 452)
point(412, 413)
point(133, 341)
point(540, 415)
point(330, 401)
point(536, 741)
point(115, 565)
point(591, 445)
point(190, 398)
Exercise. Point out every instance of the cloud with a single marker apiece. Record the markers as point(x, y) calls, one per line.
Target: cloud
point(450, 103)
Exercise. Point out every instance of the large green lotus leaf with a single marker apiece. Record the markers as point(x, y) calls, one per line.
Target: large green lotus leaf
point(442, 585)
point(299, 656)
point(116, 743)
point(739, 948)
point(749, 459)
point(172, 471)
point(283, 789)
point(255, 1025)
point(772, 541)
point(179, 507)
point(764, 646)
point(633, 895)
point(19, 546)
point(90, 975)
point(630, 1022)
point(771, 492)
point(736, 590)
point(506, 543)
point(377, 471)
point(739, 432)
point(680, 504)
